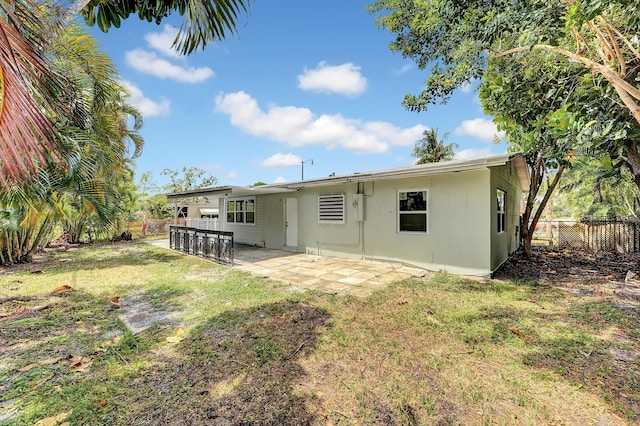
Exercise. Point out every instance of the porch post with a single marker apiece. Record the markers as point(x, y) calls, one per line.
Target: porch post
point(175, 212)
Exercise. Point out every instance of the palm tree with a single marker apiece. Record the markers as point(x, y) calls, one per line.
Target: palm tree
point(101, 144)
point(430, 149)
point(34, 96)
point(92, 175)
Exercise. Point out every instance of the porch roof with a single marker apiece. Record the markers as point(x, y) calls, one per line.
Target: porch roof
point(229, 191)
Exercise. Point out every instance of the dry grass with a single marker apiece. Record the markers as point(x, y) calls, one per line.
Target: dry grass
point(441, 350)
point(464, 353)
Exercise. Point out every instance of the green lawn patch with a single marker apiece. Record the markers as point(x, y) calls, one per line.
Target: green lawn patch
point(238, 349)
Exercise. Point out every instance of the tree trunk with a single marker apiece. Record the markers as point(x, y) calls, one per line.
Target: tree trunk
point(529, 225)
point(633, 160)
point(526, 244)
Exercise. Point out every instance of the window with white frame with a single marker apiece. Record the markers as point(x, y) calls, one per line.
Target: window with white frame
point(412, 211)
point(241, 210)
point(502, 210)
point(331, 208)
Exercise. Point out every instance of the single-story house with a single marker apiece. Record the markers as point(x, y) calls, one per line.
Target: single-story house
point(462, 216)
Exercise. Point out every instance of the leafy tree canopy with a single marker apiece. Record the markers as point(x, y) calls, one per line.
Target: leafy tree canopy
point(188, 179)
point(456, 38)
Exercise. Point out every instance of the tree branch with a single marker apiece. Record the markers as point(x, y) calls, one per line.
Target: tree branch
point(607, 73)
point(616, 48)
point(547, 195)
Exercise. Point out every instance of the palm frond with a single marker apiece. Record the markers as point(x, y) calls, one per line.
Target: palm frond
point(204, 20)
point(29, 90)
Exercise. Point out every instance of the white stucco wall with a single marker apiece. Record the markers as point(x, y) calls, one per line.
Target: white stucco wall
point(458, 211)
point(503, 244)
point(458, 238)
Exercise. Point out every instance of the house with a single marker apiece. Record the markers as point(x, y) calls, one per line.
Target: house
point(462, 216)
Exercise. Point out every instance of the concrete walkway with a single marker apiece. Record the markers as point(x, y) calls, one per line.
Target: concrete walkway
point(329, 274)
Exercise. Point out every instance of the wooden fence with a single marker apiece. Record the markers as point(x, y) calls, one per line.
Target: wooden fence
point(600, 234)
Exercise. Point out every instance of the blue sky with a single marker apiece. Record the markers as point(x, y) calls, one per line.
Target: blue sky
point(294, 84)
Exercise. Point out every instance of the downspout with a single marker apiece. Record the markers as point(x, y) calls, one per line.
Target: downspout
point(361, 191)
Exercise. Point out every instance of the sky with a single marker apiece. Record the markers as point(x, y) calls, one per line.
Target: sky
point(314, 84)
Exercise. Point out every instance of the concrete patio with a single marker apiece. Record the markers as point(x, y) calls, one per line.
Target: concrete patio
point(329, 274)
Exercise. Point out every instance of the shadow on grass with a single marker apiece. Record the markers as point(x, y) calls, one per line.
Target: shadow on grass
point(593, 343)
point(105, 257)
point(593, 361)
point(238, 368)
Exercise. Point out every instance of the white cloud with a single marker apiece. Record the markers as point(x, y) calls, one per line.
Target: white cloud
point(403, 70)
point(344, 79)
point(233, 175)
point(470, 153)
point(297, 126)
point(280, 179)
point(146, 106)
point(149, 63)
point(163, 41)
point(479, 128)
point(281, 160)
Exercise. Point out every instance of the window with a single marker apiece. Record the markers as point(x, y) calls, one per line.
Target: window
point(241, 210)
point(502, 210)
point(331, 208)
point(412, 211)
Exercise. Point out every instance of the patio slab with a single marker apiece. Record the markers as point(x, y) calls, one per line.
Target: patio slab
point(329, 274)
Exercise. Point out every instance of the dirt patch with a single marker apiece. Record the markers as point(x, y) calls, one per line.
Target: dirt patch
point(565, 266)
point(590, 273)
point(138, 315)
point(608, 286)
point(238, 368)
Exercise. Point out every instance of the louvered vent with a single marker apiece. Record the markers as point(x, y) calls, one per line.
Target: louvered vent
point(331, 209)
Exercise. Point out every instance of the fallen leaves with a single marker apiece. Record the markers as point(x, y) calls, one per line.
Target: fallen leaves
point(115, 302)
point(62, 289)
point(79, 364)
point(76, 363)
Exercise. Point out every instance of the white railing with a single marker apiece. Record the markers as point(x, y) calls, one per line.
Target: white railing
point(208, 224)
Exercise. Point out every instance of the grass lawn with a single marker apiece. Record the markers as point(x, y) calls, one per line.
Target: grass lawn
point(238, 349)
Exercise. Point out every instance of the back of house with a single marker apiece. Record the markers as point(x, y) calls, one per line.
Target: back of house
point(462, 216)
